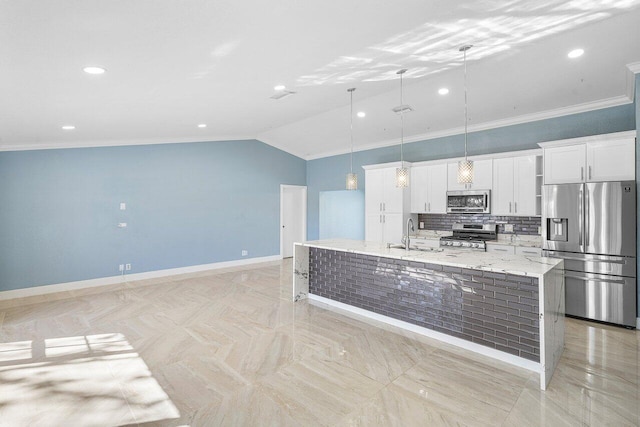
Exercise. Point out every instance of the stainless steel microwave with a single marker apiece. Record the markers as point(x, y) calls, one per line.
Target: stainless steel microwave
point(469, 201)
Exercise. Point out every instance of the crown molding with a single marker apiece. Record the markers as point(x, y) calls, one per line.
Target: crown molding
point(525, 118)
point(634, 67)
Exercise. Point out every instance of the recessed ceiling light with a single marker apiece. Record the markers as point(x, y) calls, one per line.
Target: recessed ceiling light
point(202, 125)
point(575, 53)
point(68, 127)
point(279, 87)
point(361, 114)
point(94, 70)
point(443, 91)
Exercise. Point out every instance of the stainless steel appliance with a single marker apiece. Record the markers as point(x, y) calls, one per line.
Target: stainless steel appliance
point(470, 236)
point(592, 227)
point(471, 201)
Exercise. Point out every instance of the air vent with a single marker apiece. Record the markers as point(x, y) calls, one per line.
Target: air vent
point(282, 94)
point(402, 109)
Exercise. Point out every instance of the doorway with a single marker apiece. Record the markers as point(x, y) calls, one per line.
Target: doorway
point(293, 217)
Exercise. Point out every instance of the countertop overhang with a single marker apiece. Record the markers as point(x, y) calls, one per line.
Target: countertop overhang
point(533, 266)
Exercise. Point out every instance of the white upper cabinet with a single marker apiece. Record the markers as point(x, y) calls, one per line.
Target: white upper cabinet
point(514, 186)
point(429, 189)
point(601, 158)
point(611, 160)
point(564, 165)
point(482, 176)
point(386, 206)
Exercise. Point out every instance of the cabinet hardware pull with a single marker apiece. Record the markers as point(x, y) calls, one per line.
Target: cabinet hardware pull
point(384, 219)
point(515, 204)
point(509, 207)
point(581, 173)
point(380, 206)
point(429, 206)
point(425, 206)
point(589, 171)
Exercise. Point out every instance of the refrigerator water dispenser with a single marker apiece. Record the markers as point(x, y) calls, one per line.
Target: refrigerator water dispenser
point(557, 229)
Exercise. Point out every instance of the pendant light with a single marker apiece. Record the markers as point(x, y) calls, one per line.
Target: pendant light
point(465, 167)
point(352, 178)
point(402, 173)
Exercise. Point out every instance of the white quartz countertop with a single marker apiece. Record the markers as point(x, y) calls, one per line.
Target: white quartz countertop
point(534, 266)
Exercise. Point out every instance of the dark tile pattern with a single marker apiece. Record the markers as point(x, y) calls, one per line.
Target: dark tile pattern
point(492, 309)
point(527, 225)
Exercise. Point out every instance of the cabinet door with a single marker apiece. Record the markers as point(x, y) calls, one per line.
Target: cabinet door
point(373, 227)
point(482, 176)
point(502, 202)
point(524, 191)
point(419, 189)
point(501, 249)
point(437, 189)
point(374, 187)
point(564, 165)
point(393, 227)
point(452, 178)
point(611, 160)
point(526, 251)
point(392, 195)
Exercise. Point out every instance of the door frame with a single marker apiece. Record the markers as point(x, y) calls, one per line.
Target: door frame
point(303, 210)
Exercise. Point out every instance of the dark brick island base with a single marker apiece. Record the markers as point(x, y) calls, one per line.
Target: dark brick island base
point(516, 318)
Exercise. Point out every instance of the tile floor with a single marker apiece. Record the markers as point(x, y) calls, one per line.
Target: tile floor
point(228, 347)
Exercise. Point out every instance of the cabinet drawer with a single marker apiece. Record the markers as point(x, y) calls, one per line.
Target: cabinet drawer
point(524, 250)
point(501, 249)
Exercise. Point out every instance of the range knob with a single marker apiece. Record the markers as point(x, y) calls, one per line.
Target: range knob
point(466, 244)
point(456, 243)
point(475, 245)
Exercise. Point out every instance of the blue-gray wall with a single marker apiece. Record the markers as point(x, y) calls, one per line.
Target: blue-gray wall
point(329, 173)
point(187, 204)
point(637, 96)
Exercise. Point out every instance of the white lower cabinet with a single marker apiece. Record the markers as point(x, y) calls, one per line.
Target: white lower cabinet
point(524, 250)
point(501, 249)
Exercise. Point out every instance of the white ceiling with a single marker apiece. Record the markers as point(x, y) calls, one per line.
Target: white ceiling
point(174, 64)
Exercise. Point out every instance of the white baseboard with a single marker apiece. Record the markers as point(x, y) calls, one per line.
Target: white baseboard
point(476, 348)
point(102, 281)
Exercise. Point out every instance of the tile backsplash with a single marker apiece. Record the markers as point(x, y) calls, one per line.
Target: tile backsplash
point(527, 225)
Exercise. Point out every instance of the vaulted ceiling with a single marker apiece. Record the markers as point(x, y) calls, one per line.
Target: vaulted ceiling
point(171, 65)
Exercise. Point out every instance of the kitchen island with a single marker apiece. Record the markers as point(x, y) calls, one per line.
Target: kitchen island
point(508, 307)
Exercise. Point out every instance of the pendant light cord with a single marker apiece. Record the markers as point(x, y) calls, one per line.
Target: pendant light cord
point(466, 118)
point(401, 124)
point(351, 92)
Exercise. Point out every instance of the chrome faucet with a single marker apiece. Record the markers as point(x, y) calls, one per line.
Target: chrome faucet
point(407, 241)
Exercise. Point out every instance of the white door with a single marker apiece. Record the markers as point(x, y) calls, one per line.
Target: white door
point(564, 165)
point(393, 196)
point(419, 190)
point(373, 195)
point(611, 160)
point(293, 217)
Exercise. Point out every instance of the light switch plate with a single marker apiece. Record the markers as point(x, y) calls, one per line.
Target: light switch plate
point(123, 206)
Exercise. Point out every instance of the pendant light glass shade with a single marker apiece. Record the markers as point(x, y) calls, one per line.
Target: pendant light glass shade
point(402, 173)
point(465, 167)
point(402, 177)
point(352, 178)
point(465, 172)
point(352, 181)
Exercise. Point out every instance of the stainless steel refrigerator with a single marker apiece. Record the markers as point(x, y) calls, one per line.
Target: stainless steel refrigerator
point(592, 227)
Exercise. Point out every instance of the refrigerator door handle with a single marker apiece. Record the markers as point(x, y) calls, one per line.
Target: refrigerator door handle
point(586, 217)
point(580, 219)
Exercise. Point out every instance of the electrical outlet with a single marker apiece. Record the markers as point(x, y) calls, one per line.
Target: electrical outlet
point(508, 228)
point(421, 225)
point(245, 252)
point(128, 267)
point(123, 206)
point(121, 267)
point(539, 230)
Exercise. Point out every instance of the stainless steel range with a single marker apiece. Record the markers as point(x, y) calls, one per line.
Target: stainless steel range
point(470, 236)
